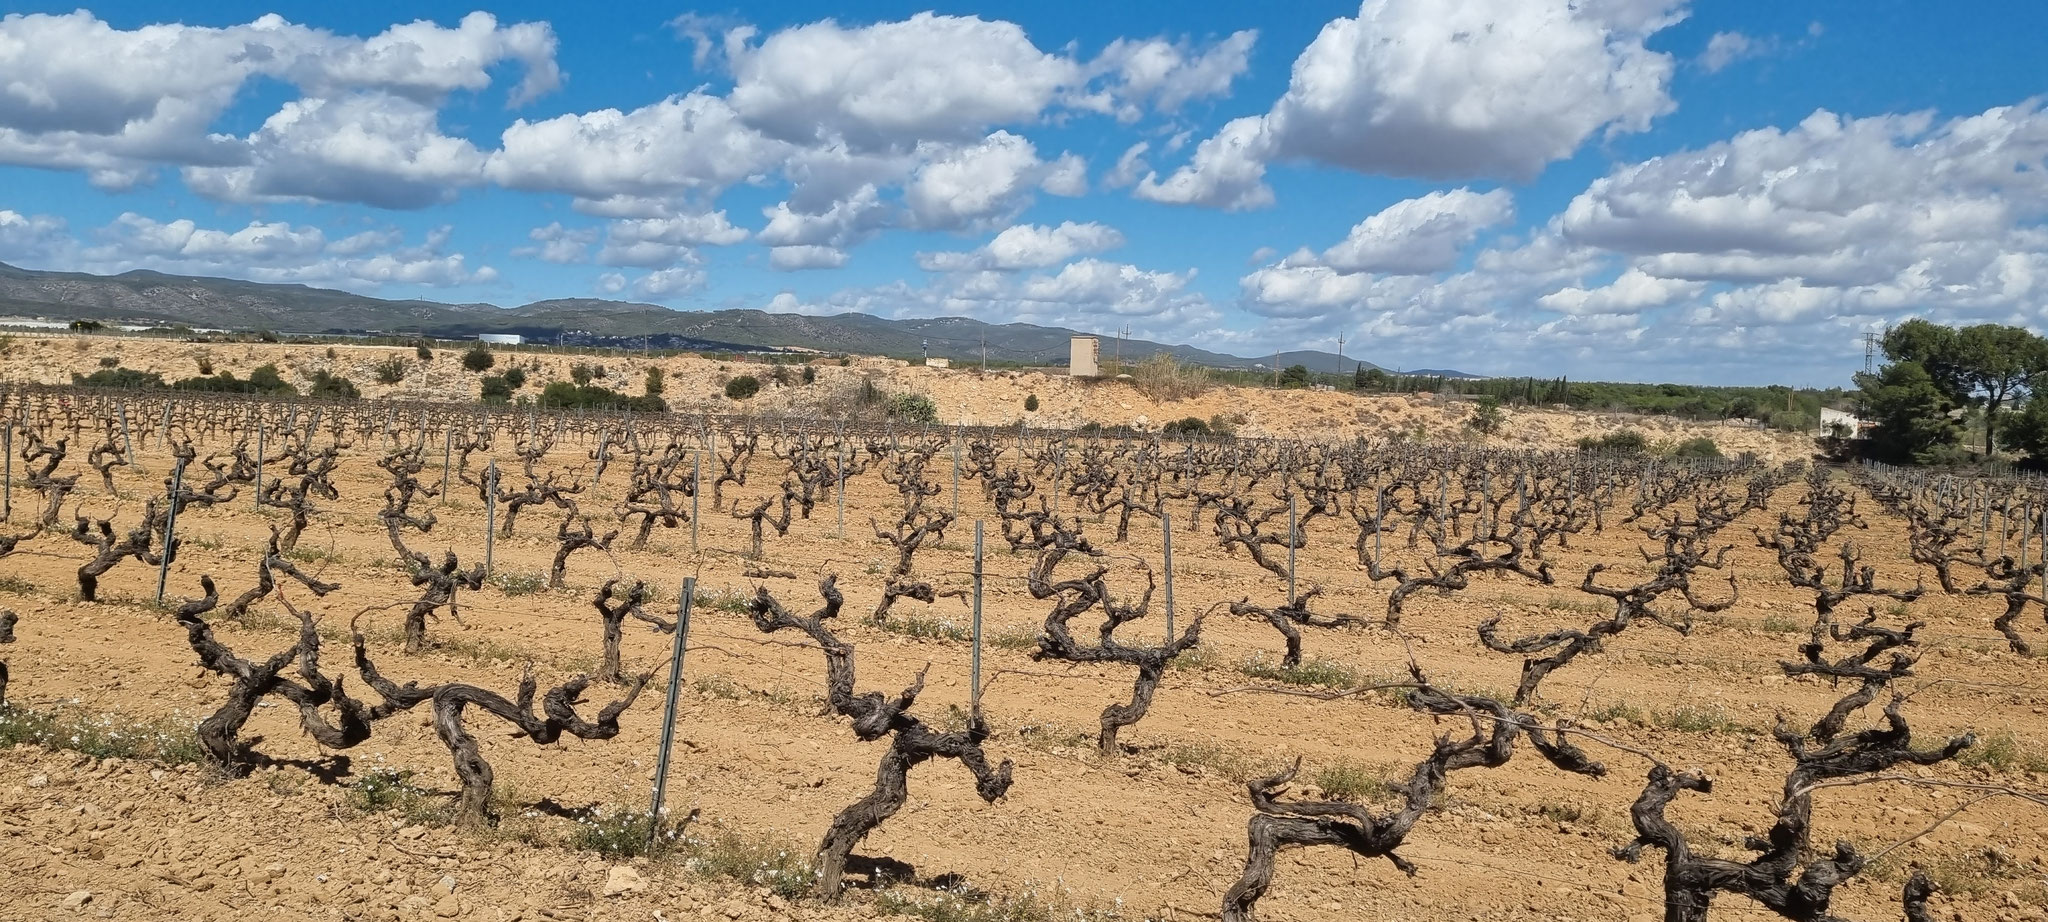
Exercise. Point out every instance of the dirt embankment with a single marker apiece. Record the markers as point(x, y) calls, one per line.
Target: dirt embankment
point(965, 396)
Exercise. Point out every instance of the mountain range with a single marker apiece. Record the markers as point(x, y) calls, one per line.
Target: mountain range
point(143, 296)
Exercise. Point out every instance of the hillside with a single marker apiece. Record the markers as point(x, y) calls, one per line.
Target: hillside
point(232, 304)
point(695, 385)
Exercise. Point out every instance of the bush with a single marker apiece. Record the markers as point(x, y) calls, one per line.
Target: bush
point(1701, 447)
point(810, 374)
point(655, 382)
point(266, 336)
point(515, 376)
point(916, 408)
point(1294, 377)
point(579, 373)
point(1625, 442)
point(570, 395)
point(1193, 425)
point(205, 365)
point(496, 389)
point(425, 354)
point(478, 359)
point(780, 375)
point(119, 377)
point(391, 370)
point(1031, 403)
point(330, 386)
point(110, 361)
point(1165, 378)
point(1486, 417)
point(742, 387)
point(87, 326)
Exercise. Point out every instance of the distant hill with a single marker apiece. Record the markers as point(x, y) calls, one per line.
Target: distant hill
point(234, 304)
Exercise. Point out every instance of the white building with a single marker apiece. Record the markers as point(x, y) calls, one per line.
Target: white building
point(1082, 354)
point(1829, 419)
point(500, 339)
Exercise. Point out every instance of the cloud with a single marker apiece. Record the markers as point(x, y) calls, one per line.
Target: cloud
point(30, 237)
point(376, 149)
point(977, 186)
point(659, 243)
point(890, 85)
point(1633, 291)
point(558, 244)
point(1164, 76)
point(273, 252)
point(1726, 48)
point(693, 143)
point(1420, 235)
point(669, 283)
point(1228, 171)
point(64, 105)
point(1498, 88)
point(1027, 246)
point(799, 257)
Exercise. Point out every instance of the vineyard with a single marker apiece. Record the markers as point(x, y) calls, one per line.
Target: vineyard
point(389, 659)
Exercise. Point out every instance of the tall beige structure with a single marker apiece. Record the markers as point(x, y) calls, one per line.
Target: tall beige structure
point(1082, 353)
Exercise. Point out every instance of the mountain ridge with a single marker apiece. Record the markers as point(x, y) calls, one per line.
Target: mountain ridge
point(291, 307)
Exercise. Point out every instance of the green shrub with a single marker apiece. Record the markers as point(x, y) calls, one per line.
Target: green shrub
point(1193, 425)
point(780, 375)
point(515, 376)
point(1701, 447)
point(810, 374)
point(579, 373)
point(1031, 403)
point(390, 371)
point(1294, 376)
point(110, 361)
point(205, 365)
point(425, 354)
point(330, 386)
point(497, 389)
point(742, 387)
point(655, 383)
point(1486, 417)
point(570, 395)
point(916, 408)
point(478, 359)
point(1625, 442)
point(119, 377)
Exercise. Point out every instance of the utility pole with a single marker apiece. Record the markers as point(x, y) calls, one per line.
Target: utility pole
point(1340, 353)
point(1120, 334)
point(984, 353)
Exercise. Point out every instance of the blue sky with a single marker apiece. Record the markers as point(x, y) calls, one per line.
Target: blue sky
point(1622, 189)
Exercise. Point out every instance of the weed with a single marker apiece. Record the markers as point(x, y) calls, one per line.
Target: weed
point(515, 583)
point(624, 832)
point(728, 601)
point(1779, 624)
point(2004, 752)
point(718, 686)
point(1320, 672)
point(308, 554)
point(920, 627)
point(1016, 637)
point(1351, 781)
point(101, 735)
point(1198, 658)
point(16, 585)
point(1618, 712)
point(771, 863)
point(962, 904)
point(1229, 763)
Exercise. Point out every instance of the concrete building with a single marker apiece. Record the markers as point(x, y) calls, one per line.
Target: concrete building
point(938, 363)
point(500, 339)
point(1083, 352)
point(1829, 419)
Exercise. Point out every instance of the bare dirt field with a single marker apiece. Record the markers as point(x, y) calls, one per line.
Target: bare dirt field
point(1155, 830)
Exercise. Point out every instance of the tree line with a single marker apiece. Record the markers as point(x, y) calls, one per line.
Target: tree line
point(1938, 380)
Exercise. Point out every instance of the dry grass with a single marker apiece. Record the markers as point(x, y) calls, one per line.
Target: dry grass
point(1166, 379)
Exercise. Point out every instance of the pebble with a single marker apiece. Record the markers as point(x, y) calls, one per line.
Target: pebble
point(77, 899)
point(622, 880)
point(38, 780)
